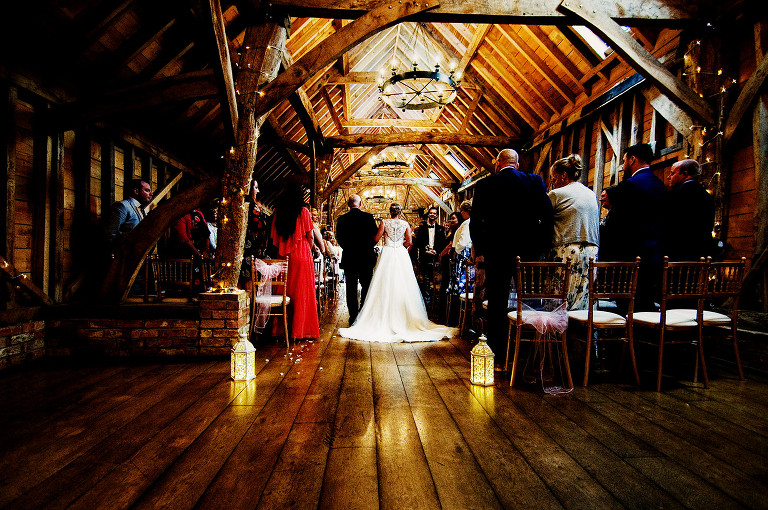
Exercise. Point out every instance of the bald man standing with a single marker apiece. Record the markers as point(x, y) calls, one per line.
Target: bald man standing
point(511, 216)
point(355, 233)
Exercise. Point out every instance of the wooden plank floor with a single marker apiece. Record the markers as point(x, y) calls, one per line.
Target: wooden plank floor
point(355, 425)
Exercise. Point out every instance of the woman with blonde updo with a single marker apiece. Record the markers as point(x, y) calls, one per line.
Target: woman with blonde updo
point(577, 225)
point(394, 310)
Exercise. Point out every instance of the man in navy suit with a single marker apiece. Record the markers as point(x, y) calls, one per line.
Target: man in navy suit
point(355, 233)
point(690, 214)
point(640, 210)
point(511, 216)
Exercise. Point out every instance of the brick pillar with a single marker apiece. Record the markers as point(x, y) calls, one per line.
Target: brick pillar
point(223, 317)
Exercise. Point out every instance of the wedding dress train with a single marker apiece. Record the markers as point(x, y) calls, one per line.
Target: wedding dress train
point(394, 310)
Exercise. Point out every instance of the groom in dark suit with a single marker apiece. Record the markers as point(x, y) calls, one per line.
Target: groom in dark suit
point(355, 232)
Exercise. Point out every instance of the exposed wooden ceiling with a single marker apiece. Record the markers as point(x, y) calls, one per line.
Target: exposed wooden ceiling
point(147, 67)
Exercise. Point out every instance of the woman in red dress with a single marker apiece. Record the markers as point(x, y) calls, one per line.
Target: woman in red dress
point(293, 234)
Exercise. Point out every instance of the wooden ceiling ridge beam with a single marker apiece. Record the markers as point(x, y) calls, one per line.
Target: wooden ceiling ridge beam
point(333, 47)
point(350, 171)
point(222, 67)
point(421, 138)
point(542, 12)
point(640, 59)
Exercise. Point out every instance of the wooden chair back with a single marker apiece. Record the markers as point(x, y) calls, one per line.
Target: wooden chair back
point(170, 274)
point(724, 279)
point(542, 280)
point(279, 299)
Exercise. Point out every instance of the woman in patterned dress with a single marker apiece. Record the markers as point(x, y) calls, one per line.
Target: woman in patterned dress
point(577, 225)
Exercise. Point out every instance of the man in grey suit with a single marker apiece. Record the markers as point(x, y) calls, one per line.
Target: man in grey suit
point(127, 213)
point(356, 232)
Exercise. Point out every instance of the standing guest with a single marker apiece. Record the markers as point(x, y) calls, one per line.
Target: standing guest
point(611, 234)
point(511, 216)
point(577, 221)
point(293, 234)
point(316, 248)
point(689, 213)
point(334, 251)
point(447, 258)
point(356, 231)
point(429, 241)
point(213, 227)
point(127, 213)
point(638, 206)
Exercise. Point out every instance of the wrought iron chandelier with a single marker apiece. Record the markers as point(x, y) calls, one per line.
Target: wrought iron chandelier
point(418, 89)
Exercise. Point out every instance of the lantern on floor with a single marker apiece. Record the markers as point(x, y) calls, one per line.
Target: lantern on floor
point(481, 359)
point(243, 360)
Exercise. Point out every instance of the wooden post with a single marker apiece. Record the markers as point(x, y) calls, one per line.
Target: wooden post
point(56, 282)
point(8, 169)
point(41, 180)
point(81, 160)
point(107, 175)
point(599, 159)
point(258, 62)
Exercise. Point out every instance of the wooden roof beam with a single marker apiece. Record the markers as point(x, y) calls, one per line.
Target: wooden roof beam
point(538, 63)
point(536, 12)
point(396, 181)
point(333, 47)
point(554, 51)
point(222, 67)
point(419, 138)
point(640, 59)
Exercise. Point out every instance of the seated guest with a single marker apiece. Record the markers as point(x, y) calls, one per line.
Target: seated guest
point(577, 220)
point(690, 214)
point(190, 236)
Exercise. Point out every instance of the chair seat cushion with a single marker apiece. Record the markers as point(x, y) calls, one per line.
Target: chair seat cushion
point(598, 317)
point(525, 313)
point(679, 320)
point(463, 296)
point(273, 300)
point(709, 317)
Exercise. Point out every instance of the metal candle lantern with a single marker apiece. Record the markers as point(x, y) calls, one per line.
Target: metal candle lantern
point(481, 358)
point(243, 360)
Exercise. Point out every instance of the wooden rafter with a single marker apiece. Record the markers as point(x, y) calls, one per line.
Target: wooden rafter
point(640, 59)
point(745, 99)
point(223, 67)
point(542, 12)
point(417, 138)
point(538, 63)
point(396, 181)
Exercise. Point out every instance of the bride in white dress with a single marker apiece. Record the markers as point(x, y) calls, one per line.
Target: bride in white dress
point(394, 310)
